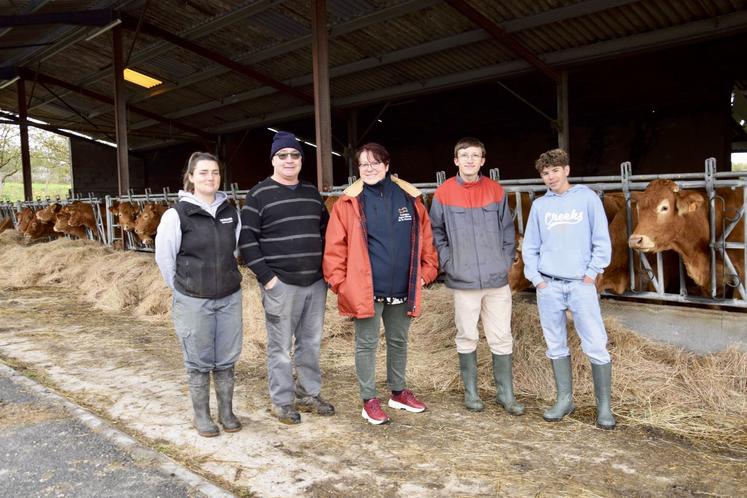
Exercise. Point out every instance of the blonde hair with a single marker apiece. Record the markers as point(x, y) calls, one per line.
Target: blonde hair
point(195, 158)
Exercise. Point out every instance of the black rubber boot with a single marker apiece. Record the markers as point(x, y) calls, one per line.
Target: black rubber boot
point(602, 375)
point(561, 367)
point(504, 384)
point(468, 370)
point(224, 392)
point(199, 390)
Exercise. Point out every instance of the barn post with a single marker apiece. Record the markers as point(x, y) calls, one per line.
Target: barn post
point(563, 125)
point(120, 113)
point(24, 132)
point(352, 141)
point(322, 106)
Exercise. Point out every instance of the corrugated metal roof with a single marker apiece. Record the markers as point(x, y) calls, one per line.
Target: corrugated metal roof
point(377, 46)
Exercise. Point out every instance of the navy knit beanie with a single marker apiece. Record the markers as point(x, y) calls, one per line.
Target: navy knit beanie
point(284, 139)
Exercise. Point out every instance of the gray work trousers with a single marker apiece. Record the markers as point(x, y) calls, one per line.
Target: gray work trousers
point(294, 317)
point(210, 330)
point(396, 326)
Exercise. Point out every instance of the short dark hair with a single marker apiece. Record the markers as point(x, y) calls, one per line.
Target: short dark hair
point(465, 142)
point(195, 158)
point(378, 152)
point(551, 158)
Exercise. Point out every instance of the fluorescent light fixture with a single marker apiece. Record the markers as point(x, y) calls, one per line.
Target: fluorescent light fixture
point(272, 130)
point(309, 144)
point(9, 82)
point(106, 28)
point(140, 79)
point(741, 123)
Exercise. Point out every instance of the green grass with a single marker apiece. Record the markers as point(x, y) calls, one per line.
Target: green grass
point(14, 191)
point(739, 167)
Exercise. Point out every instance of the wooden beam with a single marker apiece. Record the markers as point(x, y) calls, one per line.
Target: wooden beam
point(98, 17)
point(31, 75)
point(503, 37)
point(131, 23)
point(120, 113)
point(24, 131)
point(322, 103)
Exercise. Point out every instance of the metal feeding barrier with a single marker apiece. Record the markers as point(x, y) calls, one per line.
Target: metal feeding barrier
point(641, 272)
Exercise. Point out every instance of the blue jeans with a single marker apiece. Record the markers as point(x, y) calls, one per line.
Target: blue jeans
point(582, 300)
point(209, 330)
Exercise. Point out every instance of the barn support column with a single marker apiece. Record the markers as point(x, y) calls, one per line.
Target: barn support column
point(563, 125)
point(352, 141)
point(23, 127)
point(120, 113)
point(322, 107)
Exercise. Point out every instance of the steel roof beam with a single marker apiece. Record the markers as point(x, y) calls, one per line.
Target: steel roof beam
point(504, 38)
point(551, 16)
point(694, 31)
point(132, 23)
point(96, 17)
point(43, 78)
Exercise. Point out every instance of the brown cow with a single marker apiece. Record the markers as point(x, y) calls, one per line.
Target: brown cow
point(61, 225)
point(37, 229)
point(82, 215)
point(674, 219)
point(23, 218)
point(47, 215)
point(148, 220)
point(5, 224)
point(126, 214)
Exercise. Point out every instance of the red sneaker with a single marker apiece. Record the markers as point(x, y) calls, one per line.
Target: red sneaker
point(373, 413)
point(406, 400)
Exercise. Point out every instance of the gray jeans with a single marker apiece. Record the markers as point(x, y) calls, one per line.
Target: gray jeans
point(294, 314)
point(396, 326)
point(210, 330)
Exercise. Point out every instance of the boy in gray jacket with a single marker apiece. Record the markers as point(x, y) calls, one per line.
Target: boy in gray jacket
point(566, 245)
point(474, 233)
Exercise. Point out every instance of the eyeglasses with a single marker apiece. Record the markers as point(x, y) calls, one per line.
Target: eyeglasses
point(466, 157)
point(375, 165)
point(284, 155)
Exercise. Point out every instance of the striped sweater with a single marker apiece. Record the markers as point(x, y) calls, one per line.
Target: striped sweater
point(282, 232)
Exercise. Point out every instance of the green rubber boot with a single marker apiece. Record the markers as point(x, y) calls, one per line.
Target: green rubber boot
point(468, 370)
point(602, 375)
point(561, 367)
point(504, 384)
point(224, 380)
point(199, 391)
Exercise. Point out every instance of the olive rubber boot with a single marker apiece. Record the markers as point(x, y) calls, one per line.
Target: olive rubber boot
point(199, 390)
point(468, 369)
point(602, 375)
point(223, 380)
point(563, 406)
point(504, 384)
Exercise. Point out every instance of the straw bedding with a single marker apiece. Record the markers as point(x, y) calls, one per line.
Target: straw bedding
point(702, 399)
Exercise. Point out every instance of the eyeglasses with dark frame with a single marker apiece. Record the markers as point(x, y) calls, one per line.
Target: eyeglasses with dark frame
point(373, 165)
point(284, 155)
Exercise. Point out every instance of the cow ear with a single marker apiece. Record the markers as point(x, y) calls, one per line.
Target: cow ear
point(687, 202)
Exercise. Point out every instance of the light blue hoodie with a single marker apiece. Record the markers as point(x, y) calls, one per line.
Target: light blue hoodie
point(566, 236)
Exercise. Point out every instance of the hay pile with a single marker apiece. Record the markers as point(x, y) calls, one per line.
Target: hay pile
point(657, 386)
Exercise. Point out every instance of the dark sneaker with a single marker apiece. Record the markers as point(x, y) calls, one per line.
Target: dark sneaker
point(286, 414)
point(315, 404)
point(373, 413)
point(406, 400)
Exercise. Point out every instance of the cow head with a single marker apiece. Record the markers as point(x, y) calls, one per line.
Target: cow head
point(148, 220)
point(82, 215)
point(23, 218)
point(47, 214)
point(126, 213)
point(666, 217)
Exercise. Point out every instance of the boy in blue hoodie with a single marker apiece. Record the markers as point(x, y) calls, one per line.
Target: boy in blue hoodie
point(566, 245)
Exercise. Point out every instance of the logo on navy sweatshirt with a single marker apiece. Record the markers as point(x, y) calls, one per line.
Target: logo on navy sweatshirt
point(568, 218)
point(404, 214)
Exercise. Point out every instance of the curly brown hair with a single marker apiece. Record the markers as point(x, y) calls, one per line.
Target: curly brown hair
point(551, 158)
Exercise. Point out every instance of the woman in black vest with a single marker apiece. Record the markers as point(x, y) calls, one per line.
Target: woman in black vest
point(195, 251)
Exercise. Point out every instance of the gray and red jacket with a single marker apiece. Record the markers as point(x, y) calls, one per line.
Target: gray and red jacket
point(473, 231)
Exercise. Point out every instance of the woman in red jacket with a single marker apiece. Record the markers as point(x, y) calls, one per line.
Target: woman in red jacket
point(378, 254)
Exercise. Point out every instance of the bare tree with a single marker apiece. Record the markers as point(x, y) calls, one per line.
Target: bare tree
point(10, 153)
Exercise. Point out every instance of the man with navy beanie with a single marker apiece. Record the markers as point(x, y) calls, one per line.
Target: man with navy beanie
point(283, 224)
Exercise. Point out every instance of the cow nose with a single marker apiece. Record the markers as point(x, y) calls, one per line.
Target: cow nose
point(635, 241)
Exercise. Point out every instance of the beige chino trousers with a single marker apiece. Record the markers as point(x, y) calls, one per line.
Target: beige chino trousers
point(493, 306)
